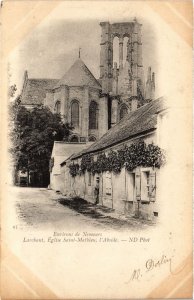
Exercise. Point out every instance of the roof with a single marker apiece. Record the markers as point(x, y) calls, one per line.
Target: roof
point(34, 90)
point(142, 120)
point(78, 75)
point(66, 149)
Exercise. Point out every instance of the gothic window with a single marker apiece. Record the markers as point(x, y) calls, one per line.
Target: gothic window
point(116, 50)
point(74, 139)
point(93, 115)
point(58, 107)
point(92, 138)
point(75, 113)
point(125, 47)
point(123, 111)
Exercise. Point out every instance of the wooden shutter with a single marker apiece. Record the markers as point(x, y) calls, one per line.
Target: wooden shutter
point(108, 184)
point(138, 185)
point(152, 186)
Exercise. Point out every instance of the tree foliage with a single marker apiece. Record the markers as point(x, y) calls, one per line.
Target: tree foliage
point(32, 134)
point(136, 155)
point(12, 90)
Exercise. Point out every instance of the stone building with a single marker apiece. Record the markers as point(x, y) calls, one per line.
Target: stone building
point(34, 90)
point(135, 192)
point(123, 84)
point(76, 96)
point(94, 105)
point(60, 152)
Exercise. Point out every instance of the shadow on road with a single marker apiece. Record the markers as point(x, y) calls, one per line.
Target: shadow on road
point(101, 213)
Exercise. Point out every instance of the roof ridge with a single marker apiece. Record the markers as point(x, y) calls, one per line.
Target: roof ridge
point(129, 127)
point(43, 79)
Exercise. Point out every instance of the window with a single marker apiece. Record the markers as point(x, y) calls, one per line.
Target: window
point(116, 50)
point(82, 139)
point(125, 48)
point(145, 184)
point(108, 184)
point(75, 113)
point(92, 138)
point(58, 107)
point(123, 111)
point(93, 115)
point(74, 139)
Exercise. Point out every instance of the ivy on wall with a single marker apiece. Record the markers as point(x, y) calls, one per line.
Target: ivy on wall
point(74, 169)
point(136, 155)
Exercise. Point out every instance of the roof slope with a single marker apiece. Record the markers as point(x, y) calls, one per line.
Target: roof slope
point(34, 90)
point(137, 122)
point(78, 75)
point(66, 149)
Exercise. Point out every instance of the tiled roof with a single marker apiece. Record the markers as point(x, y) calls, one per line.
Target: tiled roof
point(78, 75)
point(34, 90)
point(135, 123)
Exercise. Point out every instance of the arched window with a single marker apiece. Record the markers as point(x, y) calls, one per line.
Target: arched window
point(58, 107)
point(75, 113)
point(74, 139)
point(125, 47)
point(92, 138)
point(116, 50)
point(123, 111)
point(93, 115)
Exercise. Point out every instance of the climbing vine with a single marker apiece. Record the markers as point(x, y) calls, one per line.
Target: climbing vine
point(74, 169)
point(87, 163)
point(137, 154)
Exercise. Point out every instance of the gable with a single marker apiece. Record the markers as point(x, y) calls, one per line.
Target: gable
point(79, 75)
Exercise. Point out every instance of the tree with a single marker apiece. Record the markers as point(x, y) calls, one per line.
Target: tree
point(12, 90)
point(33, 133)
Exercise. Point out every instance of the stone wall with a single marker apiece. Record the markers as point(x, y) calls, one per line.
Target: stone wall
point(126, 192)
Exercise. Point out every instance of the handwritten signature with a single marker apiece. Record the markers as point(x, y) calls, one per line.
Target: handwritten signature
point(150, 265)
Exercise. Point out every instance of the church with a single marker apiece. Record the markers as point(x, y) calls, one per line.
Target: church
point(109, 114)
point(94, 105)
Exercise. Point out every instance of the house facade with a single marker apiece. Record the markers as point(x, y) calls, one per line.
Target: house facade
point(131, 191)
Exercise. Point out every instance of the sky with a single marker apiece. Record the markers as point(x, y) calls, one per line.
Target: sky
point(51, 48)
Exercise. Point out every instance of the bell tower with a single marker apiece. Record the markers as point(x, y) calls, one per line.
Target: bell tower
point(122, 81)
point(131, 31)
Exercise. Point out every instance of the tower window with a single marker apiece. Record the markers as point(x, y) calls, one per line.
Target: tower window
point(116, 50)
point(123, 111)
point(93, 115)
point(75, 113)
point(125, 48)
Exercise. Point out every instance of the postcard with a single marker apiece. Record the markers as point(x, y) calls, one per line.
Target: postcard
point(96, 156)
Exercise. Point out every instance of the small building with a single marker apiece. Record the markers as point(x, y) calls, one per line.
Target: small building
point(61, 151)
point(126, 189)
